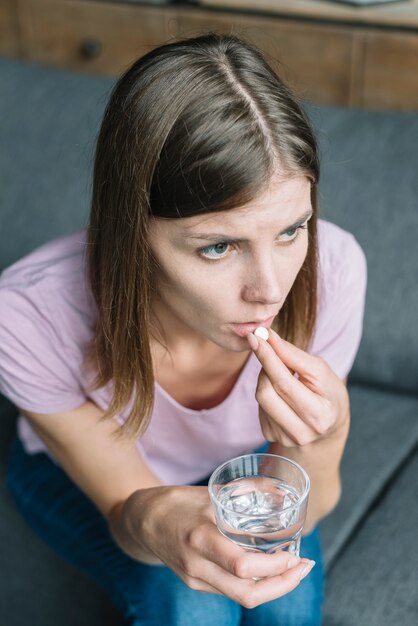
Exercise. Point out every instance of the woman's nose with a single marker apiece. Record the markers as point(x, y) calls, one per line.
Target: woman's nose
point(262, 284)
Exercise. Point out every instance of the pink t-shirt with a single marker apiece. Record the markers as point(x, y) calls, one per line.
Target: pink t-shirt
point(46, 319)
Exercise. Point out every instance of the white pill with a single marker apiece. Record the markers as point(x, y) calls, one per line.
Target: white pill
point(262, 332)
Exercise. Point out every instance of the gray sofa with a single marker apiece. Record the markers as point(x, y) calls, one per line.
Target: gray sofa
point(49, 120)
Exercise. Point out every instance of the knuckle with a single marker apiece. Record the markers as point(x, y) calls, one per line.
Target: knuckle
point(321, 364)
point(191, 582)
point(194, 538)
point(323, 424)
point(320, 427)
point(328, 425)
point(268, 433)
point(240, 568)
point(287, 442)
point(188, 569)
point(189, 564)
point(261, 393)
point(283, 389)
point(305, 440)
point(250, 600)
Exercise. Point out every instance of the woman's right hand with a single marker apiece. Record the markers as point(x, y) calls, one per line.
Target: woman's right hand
point(177, 526)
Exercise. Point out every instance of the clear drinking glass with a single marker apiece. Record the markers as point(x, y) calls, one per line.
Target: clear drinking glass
point(260, 501)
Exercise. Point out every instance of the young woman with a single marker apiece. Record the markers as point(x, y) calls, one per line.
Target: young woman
point(129, 348)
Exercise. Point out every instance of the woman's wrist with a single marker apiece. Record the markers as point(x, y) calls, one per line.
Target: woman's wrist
point(127, 522)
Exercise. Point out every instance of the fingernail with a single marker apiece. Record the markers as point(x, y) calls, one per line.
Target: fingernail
point(262, 332)
point(307, 569)
point(253, 341)
point(293, 561)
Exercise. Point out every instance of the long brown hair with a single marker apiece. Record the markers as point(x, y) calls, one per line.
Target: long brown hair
point(195, 126)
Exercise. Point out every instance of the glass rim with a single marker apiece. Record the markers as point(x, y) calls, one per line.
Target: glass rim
point(274, 456)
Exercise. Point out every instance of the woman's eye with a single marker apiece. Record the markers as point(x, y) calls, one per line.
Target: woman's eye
point(292, 233)
point(216, 251)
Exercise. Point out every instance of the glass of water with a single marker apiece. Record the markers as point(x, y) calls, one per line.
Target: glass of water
point(260, 501)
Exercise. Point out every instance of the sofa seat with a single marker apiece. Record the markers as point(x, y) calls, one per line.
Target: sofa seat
point(383, 434)
point(374, 581)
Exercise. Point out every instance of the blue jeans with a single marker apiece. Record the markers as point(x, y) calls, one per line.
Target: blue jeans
point(147, 595)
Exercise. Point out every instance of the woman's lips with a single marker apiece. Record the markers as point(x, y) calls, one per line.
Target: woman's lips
point(242, 330)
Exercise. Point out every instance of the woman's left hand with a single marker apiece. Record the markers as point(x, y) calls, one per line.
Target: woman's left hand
point(297, 410)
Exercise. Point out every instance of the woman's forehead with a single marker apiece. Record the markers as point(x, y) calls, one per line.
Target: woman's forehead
point(288, 200)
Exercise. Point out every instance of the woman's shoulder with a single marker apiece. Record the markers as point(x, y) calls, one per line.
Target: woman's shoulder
point(341, 297)
point(51, 278)
point(48, 260)
point(339, 251)
point(45, 299)
point(45, 322)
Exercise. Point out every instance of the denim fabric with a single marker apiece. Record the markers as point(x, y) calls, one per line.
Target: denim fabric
point(147, 595)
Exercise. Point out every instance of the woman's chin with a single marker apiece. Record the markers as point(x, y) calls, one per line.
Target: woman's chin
point(234, 343)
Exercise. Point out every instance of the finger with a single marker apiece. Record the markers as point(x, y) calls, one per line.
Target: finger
point(280, 421)
point(277, 586)
point(197, 584)
point(251, 593)
point(275, 433)
point(305, 403)
point(275, 368)
point(306, 365)
point(243, 563)
point(227, 567)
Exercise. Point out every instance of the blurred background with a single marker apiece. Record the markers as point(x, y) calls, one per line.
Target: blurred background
point(330, 52)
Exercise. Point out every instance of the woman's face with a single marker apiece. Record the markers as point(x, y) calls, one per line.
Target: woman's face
point(221, 270)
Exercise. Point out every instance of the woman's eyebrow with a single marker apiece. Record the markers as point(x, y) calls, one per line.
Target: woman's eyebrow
point(223, 236)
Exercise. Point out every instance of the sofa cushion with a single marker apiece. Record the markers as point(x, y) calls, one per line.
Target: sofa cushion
point(384, 430)
point(8, 414)
point(374, 582)
point(49, 121)
point(370, 187)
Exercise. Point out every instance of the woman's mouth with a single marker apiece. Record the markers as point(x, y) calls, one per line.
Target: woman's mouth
point(242, 330)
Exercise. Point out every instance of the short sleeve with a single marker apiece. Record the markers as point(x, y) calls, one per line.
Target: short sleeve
point(36, 373)
point(342, 293)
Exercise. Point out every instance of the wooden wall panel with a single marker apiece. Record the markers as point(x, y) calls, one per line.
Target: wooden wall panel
point(9, 31)
point(331, 63)
point(94, 37)
point(391, 71)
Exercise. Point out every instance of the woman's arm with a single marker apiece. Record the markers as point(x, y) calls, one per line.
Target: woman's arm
point(156, 523)
point(106, 469)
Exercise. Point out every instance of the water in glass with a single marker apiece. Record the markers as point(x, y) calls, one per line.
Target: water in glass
point(260, 513)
